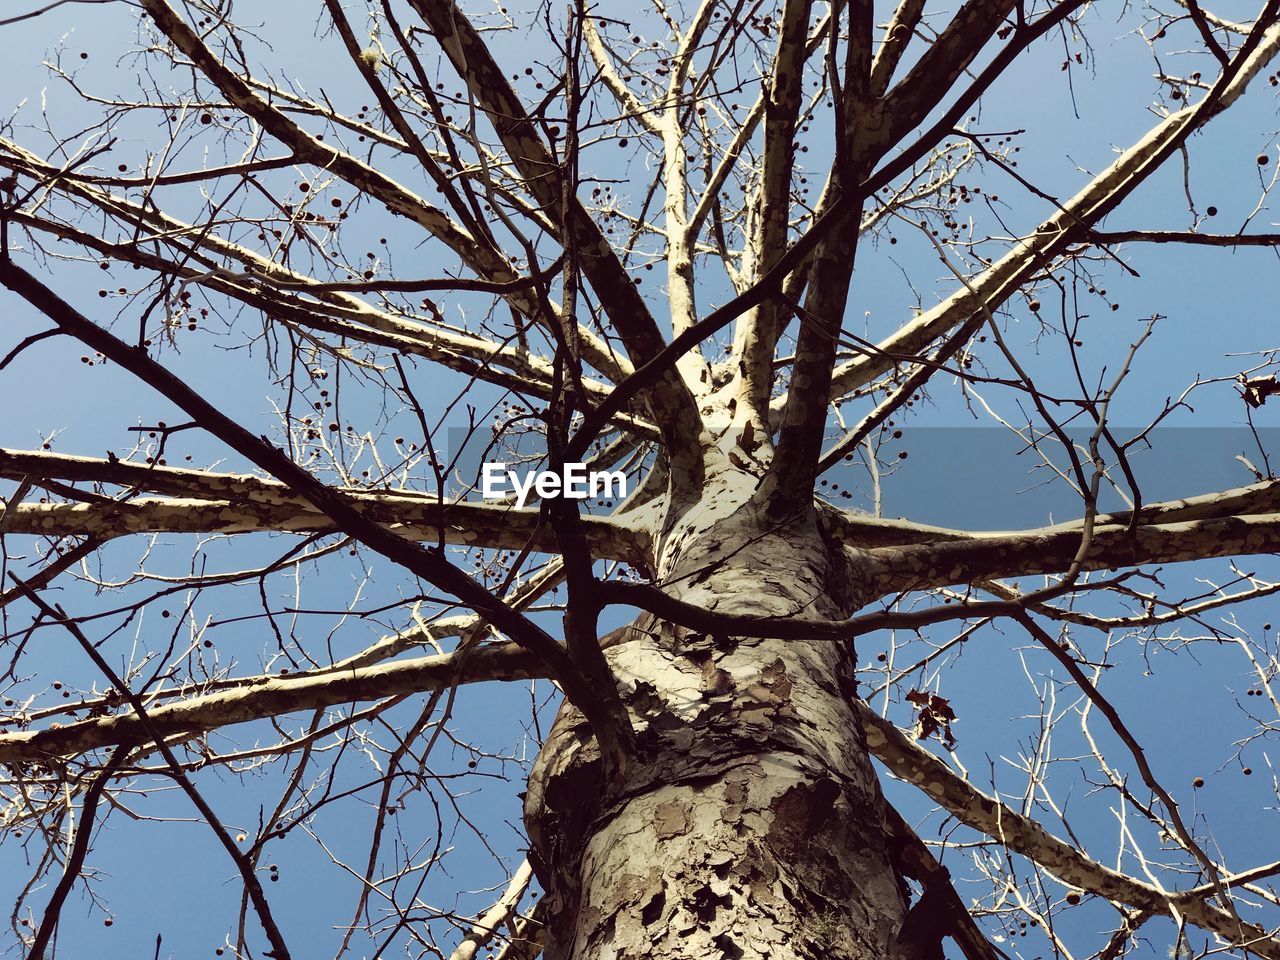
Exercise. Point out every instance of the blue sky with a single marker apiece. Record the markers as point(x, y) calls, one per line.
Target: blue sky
point(1184, 693)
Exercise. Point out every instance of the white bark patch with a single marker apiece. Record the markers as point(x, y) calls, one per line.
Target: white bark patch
point(677, 682)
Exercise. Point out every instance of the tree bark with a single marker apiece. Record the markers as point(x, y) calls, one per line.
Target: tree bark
point(750, 824)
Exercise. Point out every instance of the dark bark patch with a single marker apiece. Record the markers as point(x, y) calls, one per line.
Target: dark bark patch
point(735, 791)
point(735, 796)
point(670, 820)
point(606, 931)
point(715, 682)
point(775, 677)
point(713, 713)
point(651, 913)
point(768, 697)
point(800, 815)
point(727, 947)
point(633, 886)
point(705, 903)
point(694, 646)
point(645, 699)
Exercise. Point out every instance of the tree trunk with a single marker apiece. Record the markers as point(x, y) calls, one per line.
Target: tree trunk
point(751, 823)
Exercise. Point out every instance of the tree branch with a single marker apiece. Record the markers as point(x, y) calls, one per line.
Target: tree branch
point(206, 502)
point(258, 698)
point(75, 859)
point(757, 334)
point(673, 406)
point(1069, 224)
point(478, 254)
point(277, 290)
point(912, 763)
point(930, 79)
point(1051, 550)
point(430, 565)
point(1106, 238)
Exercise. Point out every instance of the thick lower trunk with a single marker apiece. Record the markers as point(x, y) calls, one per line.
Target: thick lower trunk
point(750, 824)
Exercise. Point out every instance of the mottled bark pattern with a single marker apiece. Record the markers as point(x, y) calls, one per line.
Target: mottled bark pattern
point(751, 824)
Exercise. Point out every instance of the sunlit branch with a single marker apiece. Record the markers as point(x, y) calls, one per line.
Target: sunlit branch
point(206, 502)
point(1066, 226)
point(1051, 551)
point(975, 809)
point(257, 698)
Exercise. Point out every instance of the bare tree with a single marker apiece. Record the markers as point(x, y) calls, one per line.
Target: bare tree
point(629, 236)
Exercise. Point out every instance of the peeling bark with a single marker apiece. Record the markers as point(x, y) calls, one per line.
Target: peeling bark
point(750, 824)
